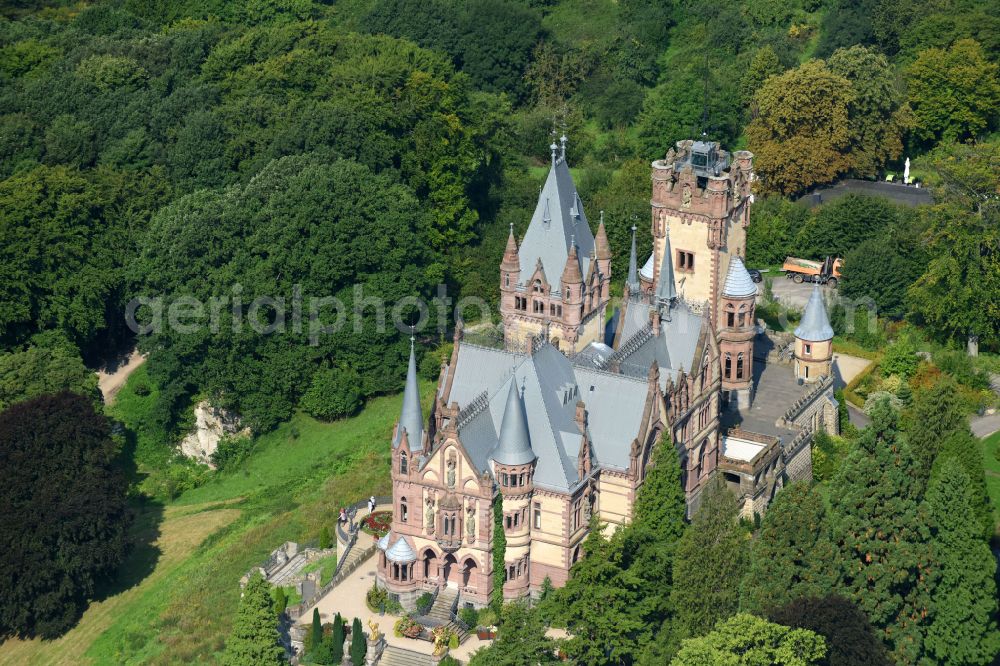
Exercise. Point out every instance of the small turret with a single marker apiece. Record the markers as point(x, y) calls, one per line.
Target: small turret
point(602, 252)
point(572, 288)
point(813, 341)
point(666, 288)
point(513, 458)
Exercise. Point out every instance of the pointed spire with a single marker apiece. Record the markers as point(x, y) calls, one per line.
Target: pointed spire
point(411, 417)
point(633, 270)
point(510, 258)
point(601, 246)
point(815, 325)
point(572, 274)
point(553, 147)
point(562, 141)
point(514, 442)
point(666, 289)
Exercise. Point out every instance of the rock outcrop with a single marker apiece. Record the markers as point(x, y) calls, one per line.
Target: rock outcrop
point(210, 426)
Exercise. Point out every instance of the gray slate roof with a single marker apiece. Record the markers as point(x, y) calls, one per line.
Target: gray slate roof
point(633, 271)
point(738, 281)
point(400, 552)
point(558, 219)
point(514, 445)
point(673, 349)
point(552, 385)
point(815, 325)
point(411, 417)
point(666, 287)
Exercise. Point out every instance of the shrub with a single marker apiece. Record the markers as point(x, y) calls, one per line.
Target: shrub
point(324, 538)
point(334, 394)
point(900, 359)
point(877, 397)
point(141, 389)
point(453, 642)
point(375, 598)
point(959, 365)
point(280, 599)
point(232, 450)
point(424, 603)
point(470, 616)
point(449, 660)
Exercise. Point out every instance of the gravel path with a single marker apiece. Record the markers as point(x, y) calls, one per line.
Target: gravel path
point(111, 379)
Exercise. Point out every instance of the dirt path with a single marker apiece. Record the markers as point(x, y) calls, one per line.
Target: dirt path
point(112, 378)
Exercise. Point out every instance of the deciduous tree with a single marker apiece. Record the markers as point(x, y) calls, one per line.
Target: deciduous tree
point(850, 638)
point(65, 522)
point(747, 640)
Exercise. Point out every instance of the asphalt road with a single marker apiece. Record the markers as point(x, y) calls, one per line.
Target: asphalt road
point(789, 293)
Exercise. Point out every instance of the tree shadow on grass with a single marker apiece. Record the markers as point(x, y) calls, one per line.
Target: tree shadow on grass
point(143, 554)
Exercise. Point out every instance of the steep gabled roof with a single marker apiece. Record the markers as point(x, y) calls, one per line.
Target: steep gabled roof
point(558, 219)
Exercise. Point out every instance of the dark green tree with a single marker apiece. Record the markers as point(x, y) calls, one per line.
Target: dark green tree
point(711, 561)
point(881, 536)
point(44, 369)
point(962, 447)
point(315, 636)
point(65, 522)
point(792, 555)
point(521, 640)
point(840, 226)
point(254, 638)
point(359, 644)
point(324, 537)
point(333, 394)
point(936, 414)
point(963, 607)
point(337, 640)
point(598, 604)
point(850, 638)
point(882, 268)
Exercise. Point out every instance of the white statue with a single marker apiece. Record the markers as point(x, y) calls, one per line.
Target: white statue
point(906, 171)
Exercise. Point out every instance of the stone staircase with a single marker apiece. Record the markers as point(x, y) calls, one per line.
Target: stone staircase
point(440, 612)
point(397, 656)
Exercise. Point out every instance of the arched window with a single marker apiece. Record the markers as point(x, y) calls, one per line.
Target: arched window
point(729, 366)
point(403, 513)
point(506, 279)
point(403, 466)
point(743, 315)
point(739, 366)
point(730, 316)
point(538, 286)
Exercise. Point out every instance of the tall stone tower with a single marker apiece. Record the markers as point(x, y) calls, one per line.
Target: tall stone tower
point(703, 196)
point(557, 281)
point(814, 341)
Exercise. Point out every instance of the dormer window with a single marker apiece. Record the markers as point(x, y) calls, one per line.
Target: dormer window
point(537, 286)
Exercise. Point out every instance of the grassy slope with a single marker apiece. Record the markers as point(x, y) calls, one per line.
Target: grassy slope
point(289, 488)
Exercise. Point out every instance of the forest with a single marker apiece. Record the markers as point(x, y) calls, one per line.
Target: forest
point(204, 149)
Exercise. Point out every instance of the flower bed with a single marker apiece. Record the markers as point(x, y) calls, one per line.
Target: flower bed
point(408, 628)
point(377, 524)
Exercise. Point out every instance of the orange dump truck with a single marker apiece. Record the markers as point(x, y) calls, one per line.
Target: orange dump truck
point(806, 270)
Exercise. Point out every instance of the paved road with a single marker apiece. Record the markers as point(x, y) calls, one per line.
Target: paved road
point(984, 426)
point(789, 293)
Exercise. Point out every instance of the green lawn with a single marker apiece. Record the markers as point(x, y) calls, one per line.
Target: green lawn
point(990, 448)
point(327, 565)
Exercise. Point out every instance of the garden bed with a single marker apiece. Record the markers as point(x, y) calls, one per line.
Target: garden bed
point(377, 524)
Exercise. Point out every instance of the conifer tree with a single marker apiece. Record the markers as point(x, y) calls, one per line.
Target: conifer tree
point(962, 447)
point(359, 644)
point(324, 538)
point(254, 638)
point(880, 535)
point(315, 632)
point(793, 554)
point(710, 562)
point(963, 628)
point(599, 604)
point(936, 414)
point(649, 541)
point(337, 638)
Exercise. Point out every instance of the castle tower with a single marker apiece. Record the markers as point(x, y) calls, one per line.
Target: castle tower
point(703, 195)
point(813, 341)
point(534, 298)
point(736, 334)
point(513, 468)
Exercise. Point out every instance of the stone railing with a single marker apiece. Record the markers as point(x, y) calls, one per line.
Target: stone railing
point(800, 405)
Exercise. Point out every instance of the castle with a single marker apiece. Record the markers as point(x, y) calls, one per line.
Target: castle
point(556, 419)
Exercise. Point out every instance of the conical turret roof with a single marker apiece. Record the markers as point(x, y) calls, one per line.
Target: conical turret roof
point(411, 417)
point(514, 444)
point(601, 247)
point(572, 274)
point(510, 259)
point(738, 284)
point(815, 325)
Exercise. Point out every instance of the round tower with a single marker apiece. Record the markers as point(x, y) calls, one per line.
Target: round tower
point(813, 341)
point(510, 274)
point(736, 333)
